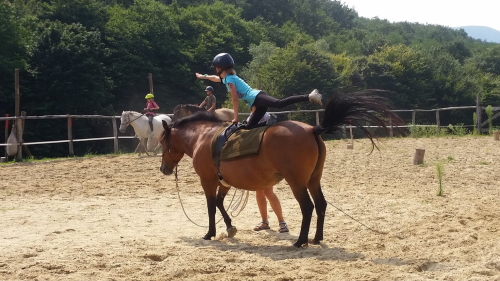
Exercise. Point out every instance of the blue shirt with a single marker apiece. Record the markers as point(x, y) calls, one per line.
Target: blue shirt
point(245, 92)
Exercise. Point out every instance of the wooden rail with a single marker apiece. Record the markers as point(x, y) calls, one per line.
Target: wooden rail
point(115, 136)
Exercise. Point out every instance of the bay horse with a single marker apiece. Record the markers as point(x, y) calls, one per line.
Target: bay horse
point(183, 110)
point(290, 150)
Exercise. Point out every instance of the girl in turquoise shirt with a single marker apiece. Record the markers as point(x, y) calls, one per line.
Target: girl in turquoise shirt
point(239, 89)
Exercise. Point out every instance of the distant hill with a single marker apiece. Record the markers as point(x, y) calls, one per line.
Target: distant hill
point(482, 32)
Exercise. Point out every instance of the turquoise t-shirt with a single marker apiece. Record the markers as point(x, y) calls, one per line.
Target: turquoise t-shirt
point(245, 92)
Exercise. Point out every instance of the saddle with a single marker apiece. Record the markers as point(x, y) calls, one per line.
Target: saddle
point(236, 141)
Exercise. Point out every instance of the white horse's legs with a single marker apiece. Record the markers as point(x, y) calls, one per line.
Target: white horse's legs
point(157, 148)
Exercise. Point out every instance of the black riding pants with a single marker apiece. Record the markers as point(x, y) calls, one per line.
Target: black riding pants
point(263, 101)
point(150, 119)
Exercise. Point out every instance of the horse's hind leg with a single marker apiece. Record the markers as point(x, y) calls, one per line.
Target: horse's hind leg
point(314, 187)
point(306, 207)
point(231, 230)
point(320, 202)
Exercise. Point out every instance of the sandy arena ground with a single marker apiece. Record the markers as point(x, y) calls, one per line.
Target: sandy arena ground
point(119, 218)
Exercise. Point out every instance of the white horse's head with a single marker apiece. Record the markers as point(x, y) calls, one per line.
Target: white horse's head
point(124, 121)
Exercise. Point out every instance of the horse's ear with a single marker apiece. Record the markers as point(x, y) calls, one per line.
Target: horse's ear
point(165, 124)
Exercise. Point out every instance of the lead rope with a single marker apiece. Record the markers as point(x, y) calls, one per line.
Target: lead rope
point(230, 203)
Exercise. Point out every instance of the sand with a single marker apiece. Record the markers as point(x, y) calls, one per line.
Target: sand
point(119, 218)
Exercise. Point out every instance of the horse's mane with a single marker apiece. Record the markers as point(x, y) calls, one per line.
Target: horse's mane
point(132, 112)
point(197, 117)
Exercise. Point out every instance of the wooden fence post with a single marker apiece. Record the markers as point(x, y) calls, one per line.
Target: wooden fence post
point(289, 116)
point(19, 133)
point(438, 121)
point(391, 133)
point(115, 134)
point(413, 117)
point(70, 136)
point(150, 78)
point(317, 117)
point(478, 114)
point(6, 133)
point(496, 135)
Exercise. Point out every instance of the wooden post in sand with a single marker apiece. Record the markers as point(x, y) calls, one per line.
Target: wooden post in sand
point(419, 156)
point(351, 144)
point(495, 135)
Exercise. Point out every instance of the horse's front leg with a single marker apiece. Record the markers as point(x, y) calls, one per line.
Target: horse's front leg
point(210, 188)
point(221, 194)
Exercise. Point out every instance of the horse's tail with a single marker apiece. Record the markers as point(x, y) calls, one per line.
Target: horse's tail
point(355, 108)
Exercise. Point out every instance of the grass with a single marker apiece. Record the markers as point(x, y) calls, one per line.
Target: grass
point(439, 173)
point(432, 131)
point(450, 158)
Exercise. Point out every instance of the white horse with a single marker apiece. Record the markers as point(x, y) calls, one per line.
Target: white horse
point(141, 127)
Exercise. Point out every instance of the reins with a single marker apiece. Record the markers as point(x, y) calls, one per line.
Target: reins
point(233, 208)
point(130, 122)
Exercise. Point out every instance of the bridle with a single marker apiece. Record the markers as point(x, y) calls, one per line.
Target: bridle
point(130, 122)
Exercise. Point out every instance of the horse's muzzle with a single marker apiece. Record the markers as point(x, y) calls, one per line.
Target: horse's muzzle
point(165, 170)
point(122, 129)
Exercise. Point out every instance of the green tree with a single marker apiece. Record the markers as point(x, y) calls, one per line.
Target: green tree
point(12, 53)
point(68, 70)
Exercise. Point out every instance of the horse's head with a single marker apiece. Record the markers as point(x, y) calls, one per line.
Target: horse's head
point(170, 156)
point(183, 110)
point(124, 121)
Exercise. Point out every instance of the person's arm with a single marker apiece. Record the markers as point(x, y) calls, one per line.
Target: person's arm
point(156, 107)
point(202, 104)
point(213, 78)
point(234, 99)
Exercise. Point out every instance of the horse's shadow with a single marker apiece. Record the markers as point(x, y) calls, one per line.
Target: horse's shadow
point(277, 252)
point(319, 252)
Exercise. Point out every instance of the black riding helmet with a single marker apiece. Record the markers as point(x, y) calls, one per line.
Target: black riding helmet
point(223, 61)
point(209, 88)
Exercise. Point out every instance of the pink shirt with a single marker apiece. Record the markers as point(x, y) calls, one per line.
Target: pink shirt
point(150, 105)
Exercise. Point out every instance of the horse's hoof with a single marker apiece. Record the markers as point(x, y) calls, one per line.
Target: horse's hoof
point(316, 242)
point(300, 245)
point(231, 232)
point(207, 237)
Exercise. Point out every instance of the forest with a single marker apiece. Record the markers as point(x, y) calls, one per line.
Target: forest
point(94, 56)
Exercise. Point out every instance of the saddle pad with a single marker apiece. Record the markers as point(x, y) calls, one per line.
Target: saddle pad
point(243, 143)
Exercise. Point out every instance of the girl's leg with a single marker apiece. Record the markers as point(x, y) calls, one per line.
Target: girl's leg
point(263, 101)
point(275, 202)
point(262, 204)
point(150, 119)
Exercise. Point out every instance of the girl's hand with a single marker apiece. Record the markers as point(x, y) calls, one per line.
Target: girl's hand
point(199, 76)
point(235, 121)
point(145, 108)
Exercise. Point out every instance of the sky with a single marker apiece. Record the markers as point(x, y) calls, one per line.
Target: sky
point(442, 12)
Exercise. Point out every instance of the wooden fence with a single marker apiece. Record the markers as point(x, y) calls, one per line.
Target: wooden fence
point(115, 136)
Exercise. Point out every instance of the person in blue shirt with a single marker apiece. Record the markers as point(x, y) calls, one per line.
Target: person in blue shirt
point(239, 89)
